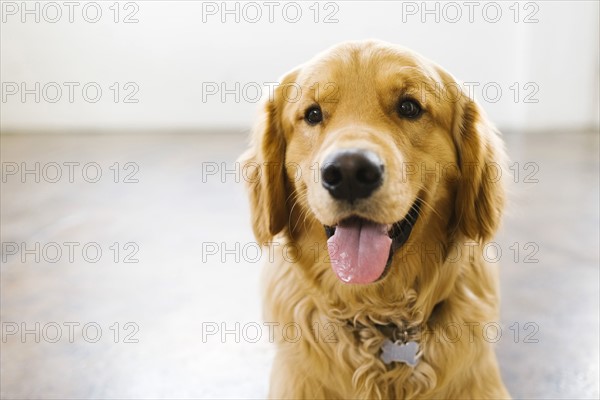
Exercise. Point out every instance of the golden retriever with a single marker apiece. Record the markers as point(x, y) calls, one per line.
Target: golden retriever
point(377, 181)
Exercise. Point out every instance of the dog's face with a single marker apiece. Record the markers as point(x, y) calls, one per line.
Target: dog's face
point(377, 147)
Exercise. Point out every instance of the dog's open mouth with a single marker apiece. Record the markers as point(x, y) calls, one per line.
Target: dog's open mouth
point(361, 251)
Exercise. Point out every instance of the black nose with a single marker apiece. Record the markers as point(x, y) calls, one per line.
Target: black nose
point(351, 174)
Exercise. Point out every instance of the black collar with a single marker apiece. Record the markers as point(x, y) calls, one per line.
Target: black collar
point(395, 333)
point(403, 332)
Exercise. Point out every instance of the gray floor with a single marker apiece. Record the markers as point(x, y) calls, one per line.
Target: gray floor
point(550, 287)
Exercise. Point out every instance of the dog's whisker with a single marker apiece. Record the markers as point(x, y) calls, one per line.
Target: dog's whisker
point(289, 222)
point(424, 202)
point(299, 197)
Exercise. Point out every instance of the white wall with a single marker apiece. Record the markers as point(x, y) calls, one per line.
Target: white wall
point(171, 52)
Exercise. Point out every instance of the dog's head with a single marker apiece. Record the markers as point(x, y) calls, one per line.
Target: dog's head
point(373, 147)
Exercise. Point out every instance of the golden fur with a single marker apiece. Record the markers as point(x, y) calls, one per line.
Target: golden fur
point(438, 280)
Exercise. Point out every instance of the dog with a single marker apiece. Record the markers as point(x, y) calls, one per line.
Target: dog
point(376, 180)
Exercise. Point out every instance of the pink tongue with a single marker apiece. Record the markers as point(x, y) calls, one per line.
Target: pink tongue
point(359, 250)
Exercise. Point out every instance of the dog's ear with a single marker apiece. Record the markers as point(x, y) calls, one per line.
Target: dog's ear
point(264, 169)
point(480, 197)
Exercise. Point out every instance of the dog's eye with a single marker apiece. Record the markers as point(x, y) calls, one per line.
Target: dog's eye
point(408, 108)
point(313, 115)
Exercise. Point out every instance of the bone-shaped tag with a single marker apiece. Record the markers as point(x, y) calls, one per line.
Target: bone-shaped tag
point(406, 353)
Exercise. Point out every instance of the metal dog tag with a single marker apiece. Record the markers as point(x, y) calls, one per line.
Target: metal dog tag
point(396, 351)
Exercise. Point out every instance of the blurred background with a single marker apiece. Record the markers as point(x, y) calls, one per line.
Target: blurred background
point(128, 267)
